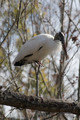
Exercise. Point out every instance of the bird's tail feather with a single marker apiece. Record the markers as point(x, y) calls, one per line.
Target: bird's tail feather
point(19, 63)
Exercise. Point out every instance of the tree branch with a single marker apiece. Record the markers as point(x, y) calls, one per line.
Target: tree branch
point(10, 98)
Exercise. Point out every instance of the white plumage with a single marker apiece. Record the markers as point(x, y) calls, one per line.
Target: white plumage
point(37, 48)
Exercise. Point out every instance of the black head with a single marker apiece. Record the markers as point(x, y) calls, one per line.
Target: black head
point(59, 36)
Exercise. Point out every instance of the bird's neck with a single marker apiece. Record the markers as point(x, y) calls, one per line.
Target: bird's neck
point(58, 45)
point(57, 41)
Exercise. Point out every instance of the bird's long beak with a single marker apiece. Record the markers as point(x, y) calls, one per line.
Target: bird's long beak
point(65, 51)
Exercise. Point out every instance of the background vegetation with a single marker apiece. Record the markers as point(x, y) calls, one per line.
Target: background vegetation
point(20, 20)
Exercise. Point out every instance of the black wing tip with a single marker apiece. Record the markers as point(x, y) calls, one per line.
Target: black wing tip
point(18, 64)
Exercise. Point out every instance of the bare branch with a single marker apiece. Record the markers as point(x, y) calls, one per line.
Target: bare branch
point(10, 98)
point(72, 22)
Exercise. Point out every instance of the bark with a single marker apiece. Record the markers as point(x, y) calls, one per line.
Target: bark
point(14, 99)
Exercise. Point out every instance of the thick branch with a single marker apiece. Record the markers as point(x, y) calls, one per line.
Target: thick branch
point(10, 98)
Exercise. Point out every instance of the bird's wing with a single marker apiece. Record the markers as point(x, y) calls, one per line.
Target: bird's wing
point(30, 47)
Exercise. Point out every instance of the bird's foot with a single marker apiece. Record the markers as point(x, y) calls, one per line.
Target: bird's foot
point(41, 99)
point(40, 64)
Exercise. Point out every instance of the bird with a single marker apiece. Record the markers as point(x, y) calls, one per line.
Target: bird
point(38, 47)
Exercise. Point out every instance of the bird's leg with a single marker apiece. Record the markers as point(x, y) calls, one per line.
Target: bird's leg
point(37, 88)
point(40, 64)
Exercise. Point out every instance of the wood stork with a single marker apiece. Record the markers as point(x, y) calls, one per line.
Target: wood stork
point(38, 47)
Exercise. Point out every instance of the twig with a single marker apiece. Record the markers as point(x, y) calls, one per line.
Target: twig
point(50, 116)
point(45, 83)
point(71, 58)
point(72, 22)
point(78, 88)
point(8, 33)
point(19, 12)
point(12, 26)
